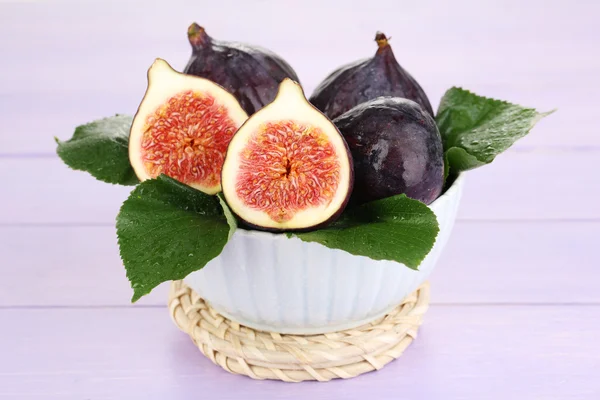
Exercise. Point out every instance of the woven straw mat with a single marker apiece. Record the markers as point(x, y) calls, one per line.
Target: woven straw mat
point(295, 358)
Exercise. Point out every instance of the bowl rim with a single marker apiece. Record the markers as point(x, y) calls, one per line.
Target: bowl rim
point(452, 191)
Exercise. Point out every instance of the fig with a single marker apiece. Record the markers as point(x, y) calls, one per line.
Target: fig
point(365, 80)
point(252, 74)
point(396, 147)
point(288, 167)
point(182, 128)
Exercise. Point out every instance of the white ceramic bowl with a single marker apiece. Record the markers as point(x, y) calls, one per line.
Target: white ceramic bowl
point(273, 283)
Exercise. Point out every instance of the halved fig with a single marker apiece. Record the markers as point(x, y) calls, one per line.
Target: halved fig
point(252, 74)
point(182, 128)
point(288, 167)
point(364, 80)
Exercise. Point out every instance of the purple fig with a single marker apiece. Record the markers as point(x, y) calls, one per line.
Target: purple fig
point(250, 73)
point(364, 80)
point(396, 148)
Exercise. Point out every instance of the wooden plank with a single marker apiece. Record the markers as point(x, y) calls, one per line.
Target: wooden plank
point(526, 184)
point(484, 262)
point(528, 39)
point(44, 190)
point(534, 184)
point(85, 77)
point(59, 114)
point(461, 352)
point(515, 303)
point(518, 262)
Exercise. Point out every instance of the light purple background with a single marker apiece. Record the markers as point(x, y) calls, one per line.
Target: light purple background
point(516, 304)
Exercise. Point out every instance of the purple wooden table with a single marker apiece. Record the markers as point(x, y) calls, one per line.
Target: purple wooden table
point(516, 305)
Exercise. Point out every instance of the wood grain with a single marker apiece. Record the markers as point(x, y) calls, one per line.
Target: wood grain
point(82, 61)
point(484, 263)
point(515, 300)
point(528, 185)
point(503, 352)
point(58, 115)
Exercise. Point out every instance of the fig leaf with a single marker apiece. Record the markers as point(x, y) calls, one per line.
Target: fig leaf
point(476, 129)
point(396, 228)
point(167, 230)
point(101, 148)
point(231, 219)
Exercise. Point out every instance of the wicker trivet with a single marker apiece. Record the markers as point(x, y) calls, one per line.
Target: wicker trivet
point(294, 358)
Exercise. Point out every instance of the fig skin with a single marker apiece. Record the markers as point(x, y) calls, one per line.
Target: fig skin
point(364, 80)
point(396, 148)
point(252, 74)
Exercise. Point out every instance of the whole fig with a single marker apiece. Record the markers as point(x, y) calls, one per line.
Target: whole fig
point(250, 73)
point(367, 79)
point(396, 148)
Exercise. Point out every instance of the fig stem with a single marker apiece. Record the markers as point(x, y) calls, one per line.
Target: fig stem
point(381, 39)
point(196, 35)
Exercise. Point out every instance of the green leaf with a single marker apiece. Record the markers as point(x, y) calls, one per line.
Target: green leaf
point(101, 148)
point(446, 167)
point(231, 220)
point(476, 129)
point(395, 228)
point(167, 230)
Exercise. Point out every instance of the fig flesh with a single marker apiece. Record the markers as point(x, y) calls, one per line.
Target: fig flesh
point(364, 80)
point(252, 74)
point(287, 168)
point(182, 128)
point(396, 148)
